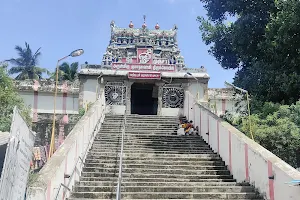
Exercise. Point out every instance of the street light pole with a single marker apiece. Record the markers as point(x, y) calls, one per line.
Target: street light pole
point(75, 53)
point(248, 104)
point(97, 86)
point(198, 93)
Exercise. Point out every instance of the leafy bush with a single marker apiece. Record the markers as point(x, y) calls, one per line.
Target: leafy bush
point(276, 127)
point(9, 98)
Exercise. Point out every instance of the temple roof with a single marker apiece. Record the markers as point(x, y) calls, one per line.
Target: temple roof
point(47, 85)
point(197, 73)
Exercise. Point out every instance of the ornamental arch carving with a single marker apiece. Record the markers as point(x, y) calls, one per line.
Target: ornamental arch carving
point(173, 96)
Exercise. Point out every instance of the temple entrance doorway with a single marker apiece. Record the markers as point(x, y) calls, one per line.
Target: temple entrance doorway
point(144, 99)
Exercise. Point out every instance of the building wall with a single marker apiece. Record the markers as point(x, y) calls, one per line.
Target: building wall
point(88, 90)
point(225, 99)
point(171, 111)
point(220, 106)
point(44, 101)
point(39, 96)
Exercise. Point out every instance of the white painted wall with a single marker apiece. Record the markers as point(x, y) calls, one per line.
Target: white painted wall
point(190, 94)
point(247, 160)
point(194, 88)
point(89, 91)
point(171, 111)
point(46, 102)
point(115, 109)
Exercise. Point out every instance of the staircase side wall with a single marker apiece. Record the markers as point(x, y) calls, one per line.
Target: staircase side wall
point(247, 160)
point(64, 160)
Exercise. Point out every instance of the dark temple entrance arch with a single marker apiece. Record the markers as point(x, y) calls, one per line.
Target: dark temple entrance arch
point(144, 98)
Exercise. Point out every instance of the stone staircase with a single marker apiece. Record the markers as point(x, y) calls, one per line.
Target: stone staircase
point(156, 165)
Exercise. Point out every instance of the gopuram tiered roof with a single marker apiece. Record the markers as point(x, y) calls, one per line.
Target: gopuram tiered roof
point(142, 49)
point(124, 43)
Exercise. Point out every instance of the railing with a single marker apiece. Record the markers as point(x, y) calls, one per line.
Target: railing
point(246, 159)
point(118, 195)
point(76, 168)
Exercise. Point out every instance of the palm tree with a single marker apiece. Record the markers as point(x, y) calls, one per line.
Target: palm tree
point(66, 71)
point(25, 65)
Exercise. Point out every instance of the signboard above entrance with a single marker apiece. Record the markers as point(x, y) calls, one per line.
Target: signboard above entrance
point(143, 67)
point(144, 61)
point(144, 75)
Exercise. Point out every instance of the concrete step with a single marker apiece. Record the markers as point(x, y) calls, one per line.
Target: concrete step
point(167, 195)
point(153, 199)
point(143, 121)
point(139, 168)
point(156, 148)
point(159, 171)
point(141, 147)
point(157, 152)
point(113, 123)
point(92, 167)
point(149, 145)
point(162, 130)
point(152, 142)
point(152, 137)
point(139, 144)
point(140, 131)
point(161, 163)
point(158, 184)
point(167, 189)
point(141, 126)
point(136, 160)
point(154, 180)
point(205, 175)
point(140, 116)
point(169, 156)
point(160, 121)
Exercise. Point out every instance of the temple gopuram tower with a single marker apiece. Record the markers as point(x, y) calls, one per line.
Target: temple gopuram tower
point(143, 72)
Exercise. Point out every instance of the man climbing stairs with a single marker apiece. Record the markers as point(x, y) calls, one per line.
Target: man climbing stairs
point(156, 164)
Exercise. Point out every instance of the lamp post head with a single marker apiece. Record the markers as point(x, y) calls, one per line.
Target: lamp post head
point(77, 52)
point(188, 73)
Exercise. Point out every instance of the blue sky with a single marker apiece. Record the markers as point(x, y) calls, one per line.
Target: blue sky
point(60, 26)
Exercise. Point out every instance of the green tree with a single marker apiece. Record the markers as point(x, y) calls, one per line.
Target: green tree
point(66, 72)
point(262, 44)
point(26, 64)
point(9, 98)
point(275, 127)
point(3, 65)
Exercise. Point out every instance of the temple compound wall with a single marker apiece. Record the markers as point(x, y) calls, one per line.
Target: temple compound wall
point(222, 100)
point(39, 97)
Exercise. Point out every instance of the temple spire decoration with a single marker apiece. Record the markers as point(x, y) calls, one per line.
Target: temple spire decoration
point(157, 26)
point(131, 25)
point(127, 45)
point(144, 25)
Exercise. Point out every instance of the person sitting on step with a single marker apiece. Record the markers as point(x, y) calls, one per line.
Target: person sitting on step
point(189, 128)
